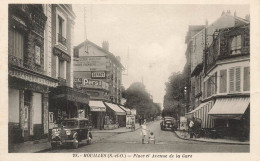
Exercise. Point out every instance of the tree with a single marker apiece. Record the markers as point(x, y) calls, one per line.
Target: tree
point(139, 99)
point(174, 99)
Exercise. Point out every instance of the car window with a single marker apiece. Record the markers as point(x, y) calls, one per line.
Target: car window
point(70, 123)
point(82, 123)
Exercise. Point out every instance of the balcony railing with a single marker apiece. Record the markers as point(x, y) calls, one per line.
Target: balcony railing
point(62, 39)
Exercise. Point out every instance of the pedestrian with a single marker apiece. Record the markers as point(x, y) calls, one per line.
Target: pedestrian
point(151, 138)
point(191, 126)
point(143, 131)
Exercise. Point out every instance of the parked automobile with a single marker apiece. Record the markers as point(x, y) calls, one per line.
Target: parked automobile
point(71, 131)
point(169, 123)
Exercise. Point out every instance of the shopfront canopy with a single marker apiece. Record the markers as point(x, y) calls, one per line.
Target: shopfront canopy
point(230, 108)
point(127, 110)
point(201, 112)
point(97, 106)
point(116, 109)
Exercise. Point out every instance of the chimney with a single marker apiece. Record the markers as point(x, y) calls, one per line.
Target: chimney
point(105, 45)
point(207, 22)
point(223, 13)
point(235, 14)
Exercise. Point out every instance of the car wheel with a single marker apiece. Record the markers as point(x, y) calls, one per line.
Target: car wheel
point(53, 145)
point(75, 143)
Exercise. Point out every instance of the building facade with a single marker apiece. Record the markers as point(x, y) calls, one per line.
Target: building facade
point(65, 101)
point(40, 69)
point(227, 80)
point(197, 41)
point(29, 79)
point(99, 72)
point(220, 82)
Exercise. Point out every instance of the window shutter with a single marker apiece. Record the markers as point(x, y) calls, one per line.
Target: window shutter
point(231, 80)
point(246, 79)
point(223, 81)
point(238, 79)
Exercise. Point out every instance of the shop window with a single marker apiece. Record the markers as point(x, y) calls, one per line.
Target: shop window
point(13, 106)
point(236, 45)
point(223, 81)
point(246, 86)
point(16, 43)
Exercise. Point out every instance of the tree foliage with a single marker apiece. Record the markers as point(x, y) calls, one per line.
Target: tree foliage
point(175, 99)
point(139, 99)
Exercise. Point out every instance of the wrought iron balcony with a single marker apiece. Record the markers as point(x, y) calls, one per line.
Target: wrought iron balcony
point(62, 39)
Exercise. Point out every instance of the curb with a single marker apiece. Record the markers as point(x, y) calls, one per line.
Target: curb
point(119, 132)
point(191, 139)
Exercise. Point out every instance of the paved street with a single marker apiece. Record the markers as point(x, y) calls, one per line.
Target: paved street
point(166, 141)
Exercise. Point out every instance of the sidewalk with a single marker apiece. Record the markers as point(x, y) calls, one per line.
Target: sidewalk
point(118, 130)
point(185, 136)
point(44, 144)
point(30, 146)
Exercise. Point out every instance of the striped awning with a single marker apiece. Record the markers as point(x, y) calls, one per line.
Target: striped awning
point(97, 106)
point(116, 109)
point(230, 108)
point(127, 110)
point(201, 112)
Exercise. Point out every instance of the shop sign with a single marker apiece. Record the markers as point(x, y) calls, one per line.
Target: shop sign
point(32, 78)
point(90, 64)
point(183, 123)
point(97, 109)
point(98, 75)
point(129, 120)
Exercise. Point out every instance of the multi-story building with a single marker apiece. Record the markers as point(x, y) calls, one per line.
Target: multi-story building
point(197, 41)
point(40, 69)
point(227, 80)
point(29, 71)
point(66, 101)
point(99, 72)
point(224, 76)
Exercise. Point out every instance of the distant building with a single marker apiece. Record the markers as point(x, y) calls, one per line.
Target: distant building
point(98, 72)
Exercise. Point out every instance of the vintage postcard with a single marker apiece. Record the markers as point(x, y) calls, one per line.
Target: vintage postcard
point(130, 80)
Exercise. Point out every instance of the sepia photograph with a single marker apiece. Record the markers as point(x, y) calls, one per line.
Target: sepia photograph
point(128, 78)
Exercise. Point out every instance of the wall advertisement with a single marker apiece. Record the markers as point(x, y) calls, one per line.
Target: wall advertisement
point(91, 63)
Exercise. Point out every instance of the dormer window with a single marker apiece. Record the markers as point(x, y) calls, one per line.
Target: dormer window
point(236, 45)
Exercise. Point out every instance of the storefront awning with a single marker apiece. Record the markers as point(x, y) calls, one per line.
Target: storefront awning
point(116, 109)
point(198, 108)
point(127, 110)
point(230, 108)
point(97, 106)
point(201, 112)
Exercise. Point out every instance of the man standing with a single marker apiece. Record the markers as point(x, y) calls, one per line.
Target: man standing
point(191, 126)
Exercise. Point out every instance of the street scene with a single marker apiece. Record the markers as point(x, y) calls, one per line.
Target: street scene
point(98, 78)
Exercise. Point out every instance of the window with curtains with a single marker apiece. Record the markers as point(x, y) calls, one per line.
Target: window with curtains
point(246, 86)
point(223, 81)
point(236, 45)
point(211, 85)
point(234, 79)
point(16, 43)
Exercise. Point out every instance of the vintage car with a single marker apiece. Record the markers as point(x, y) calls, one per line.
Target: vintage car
point(71, 131)
point(168, 123)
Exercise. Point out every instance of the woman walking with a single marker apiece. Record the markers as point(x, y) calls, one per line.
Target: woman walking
point(143, 131)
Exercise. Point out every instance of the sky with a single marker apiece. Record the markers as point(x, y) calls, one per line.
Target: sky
point(152, 34)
